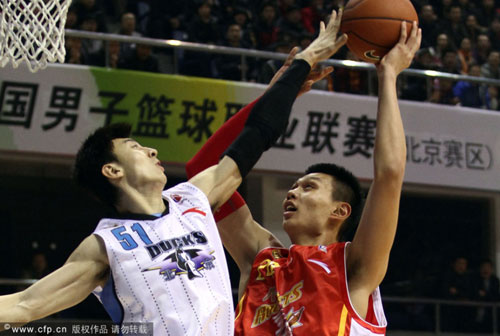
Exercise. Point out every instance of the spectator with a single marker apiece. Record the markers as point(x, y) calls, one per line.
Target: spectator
point(312, 15)
point(465, 55)
point(486, 287)
point(442, 43)
point(167, 20)
point(74, 51)
point(443, 8)
point(350, 80)
point(428, 22)
point(284, 5)
point(128, 27)
point(467, 7)
point(266, 30)
point(491, 69)
point(442, 92)
point(143, 11)
point(468, 93)
point(289, 37)
point(457, 285)
point(141, 60)
point(450, 62)
point(486, 13)
point(38, 268)
point(242, 18)
point(482, 49)
point(453, 26)
point(415, 88)
point(115, 58)
point(472, 28)
point(89, 46)
point(86, 8)
point(492, 101)
point(71, 18)
point(291, 23)
point(229, 66)
point(494, 34)
point(202, 29)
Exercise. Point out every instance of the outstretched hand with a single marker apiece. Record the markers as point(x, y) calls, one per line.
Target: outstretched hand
point(401, 55)
point(327, 43)
point(313, 77)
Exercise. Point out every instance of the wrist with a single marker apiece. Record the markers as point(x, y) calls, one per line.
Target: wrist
point(306, 56)
point(386, 74)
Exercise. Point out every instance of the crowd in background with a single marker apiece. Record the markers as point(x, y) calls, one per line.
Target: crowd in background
point(459, 285)
point(459, 37)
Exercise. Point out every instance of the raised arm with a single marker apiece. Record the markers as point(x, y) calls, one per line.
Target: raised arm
point(215, 146)
point(268, 118)
point(85, 269)
point(368, 254)
point(273, 108)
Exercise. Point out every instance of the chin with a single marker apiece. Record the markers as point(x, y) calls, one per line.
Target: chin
point(288, 226)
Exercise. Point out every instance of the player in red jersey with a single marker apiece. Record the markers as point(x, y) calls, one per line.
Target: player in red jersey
point(321, 285)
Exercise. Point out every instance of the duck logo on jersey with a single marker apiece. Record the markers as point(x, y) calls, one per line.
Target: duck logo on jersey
point(184, 261)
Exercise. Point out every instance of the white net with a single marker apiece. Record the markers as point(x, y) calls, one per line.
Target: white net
point(32, 31)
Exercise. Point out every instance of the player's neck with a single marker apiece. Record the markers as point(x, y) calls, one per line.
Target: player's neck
point(148, 200)
point(326, 238)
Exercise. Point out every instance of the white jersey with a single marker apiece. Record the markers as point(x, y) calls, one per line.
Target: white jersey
point(170, 270)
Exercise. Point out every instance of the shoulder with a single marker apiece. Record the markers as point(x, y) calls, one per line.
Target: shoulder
point(91, 249)
point(183, 190)
point(106, 223)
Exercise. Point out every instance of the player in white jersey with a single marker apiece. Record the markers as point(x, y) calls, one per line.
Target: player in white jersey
point(162, 260)
point(174, 263)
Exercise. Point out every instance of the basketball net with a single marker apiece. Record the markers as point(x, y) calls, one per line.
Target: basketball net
point(32, 31)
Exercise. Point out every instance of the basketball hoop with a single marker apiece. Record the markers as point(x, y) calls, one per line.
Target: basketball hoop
point(32, 31)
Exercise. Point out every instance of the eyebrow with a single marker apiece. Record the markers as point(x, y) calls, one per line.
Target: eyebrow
point(129, 140)
point(314, 178)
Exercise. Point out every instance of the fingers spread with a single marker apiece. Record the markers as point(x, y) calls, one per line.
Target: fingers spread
point(321, 27)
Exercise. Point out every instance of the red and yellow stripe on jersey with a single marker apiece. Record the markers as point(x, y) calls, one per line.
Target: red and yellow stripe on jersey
point(303, 291)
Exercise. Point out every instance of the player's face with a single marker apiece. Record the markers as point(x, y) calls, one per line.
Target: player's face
point(140, 164)
point(308, 206)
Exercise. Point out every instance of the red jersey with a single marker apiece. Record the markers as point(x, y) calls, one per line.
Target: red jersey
point(303, 291)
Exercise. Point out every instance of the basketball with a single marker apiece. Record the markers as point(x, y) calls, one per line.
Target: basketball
point(374, 26)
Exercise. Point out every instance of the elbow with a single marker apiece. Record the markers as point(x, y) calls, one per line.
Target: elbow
point(26, 309)
point(16, 309)
point(391, 171)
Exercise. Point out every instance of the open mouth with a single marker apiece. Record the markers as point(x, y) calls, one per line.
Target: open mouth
point(289, 210)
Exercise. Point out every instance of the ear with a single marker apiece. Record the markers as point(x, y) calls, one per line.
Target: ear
point(342, 210)
point(112, 171)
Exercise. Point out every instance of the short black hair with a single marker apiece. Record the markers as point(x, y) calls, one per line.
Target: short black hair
point(95, 152)
point(346, 188)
